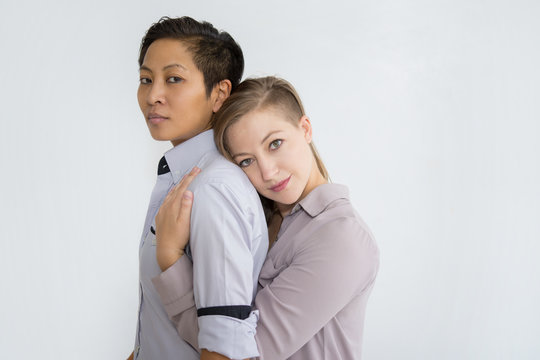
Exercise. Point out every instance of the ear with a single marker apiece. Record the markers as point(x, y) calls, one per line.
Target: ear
point(221, 92)
point(305, 126)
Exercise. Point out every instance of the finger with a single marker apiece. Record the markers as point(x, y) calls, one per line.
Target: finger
point(173, 191)
point(187, 179)
point(184, 215)
point(169, 197)
point(173, 194)
point(173, 200)
point(182, 186)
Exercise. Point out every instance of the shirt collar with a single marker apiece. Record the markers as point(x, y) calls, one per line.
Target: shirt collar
point(183, 157)
point(319, 198)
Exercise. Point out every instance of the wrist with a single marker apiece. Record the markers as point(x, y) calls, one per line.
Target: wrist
point(166, 259)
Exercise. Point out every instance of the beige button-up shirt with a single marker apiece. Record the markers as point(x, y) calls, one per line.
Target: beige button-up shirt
point(313, 287)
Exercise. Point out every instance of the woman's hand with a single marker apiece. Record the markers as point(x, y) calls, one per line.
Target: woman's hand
point(172, 222)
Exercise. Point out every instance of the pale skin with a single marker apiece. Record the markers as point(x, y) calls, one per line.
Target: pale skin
point(173, 218)
point(270, 149)
point(255, 138)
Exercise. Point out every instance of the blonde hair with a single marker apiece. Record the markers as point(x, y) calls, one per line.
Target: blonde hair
point(258, 94)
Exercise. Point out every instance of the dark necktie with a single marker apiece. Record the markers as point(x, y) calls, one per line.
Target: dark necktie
point(163, 167)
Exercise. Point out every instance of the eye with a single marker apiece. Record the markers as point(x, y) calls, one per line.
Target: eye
point(145, 80)
point(275, 144)
point(245, 162)
point(174, 79)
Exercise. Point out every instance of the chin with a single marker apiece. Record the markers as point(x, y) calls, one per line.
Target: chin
point(160, 135)
point(157, 137)
point(286, 200)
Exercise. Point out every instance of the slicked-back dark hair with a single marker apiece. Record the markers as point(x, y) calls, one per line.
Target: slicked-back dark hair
point(215, 53)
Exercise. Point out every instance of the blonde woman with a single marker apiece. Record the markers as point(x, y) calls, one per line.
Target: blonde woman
point(322, 264)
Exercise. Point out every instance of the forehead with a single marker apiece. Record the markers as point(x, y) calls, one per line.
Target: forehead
point(168, 51)
point(251, 128)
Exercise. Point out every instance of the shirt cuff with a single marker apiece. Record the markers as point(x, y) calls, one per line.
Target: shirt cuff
point(234, 338)
point(175, 286)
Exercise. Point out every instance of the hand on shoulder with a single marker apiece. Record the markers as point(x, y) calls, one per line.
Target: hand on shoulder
point(173, 222)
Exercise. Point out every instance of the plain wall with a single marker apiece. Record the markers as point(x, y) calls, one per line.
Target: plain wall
point(428, 110)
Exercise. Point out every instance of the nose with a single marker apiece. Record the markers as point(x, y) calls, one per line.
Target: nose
point(268, 168)
point(156, 94)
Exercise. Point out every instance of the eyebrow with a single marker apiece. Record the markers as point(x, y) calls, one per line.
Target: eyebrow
point(143, 67)
point(262, 142)
point(269, 134)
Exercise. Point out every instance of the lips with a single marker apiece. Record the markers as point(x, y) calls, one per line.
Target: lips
point(156, 118)
point(280, 185)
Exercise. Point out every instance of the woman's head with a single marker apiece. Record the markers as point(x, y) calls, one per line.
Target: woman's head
point(263, 128)
point(187, 70)
point(215, 53)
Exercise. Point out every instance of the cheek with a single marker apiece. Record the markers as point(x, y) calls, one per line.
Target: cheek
point(141, 97)
point(302, 161)
point(193, 107)
point(175, 100)
point(298, 156)
point(188, 96)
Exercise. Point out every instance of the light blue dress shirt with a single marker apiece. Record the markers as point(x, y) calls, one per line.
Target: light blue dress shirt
point(228, 245)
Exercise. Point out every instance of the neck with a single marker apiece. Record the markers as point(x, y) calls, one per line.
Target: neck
point(176, 142)
point(285, 209)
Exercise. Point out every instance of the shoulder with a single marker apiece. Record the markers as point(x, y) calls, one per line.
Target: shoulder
point(339, 227)
point(342, 221)
point(345, 241)
point(216, 169)
point(222, 180)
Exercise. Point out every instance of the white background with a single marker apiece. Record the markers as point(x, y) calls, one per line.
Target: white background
point(428, 110)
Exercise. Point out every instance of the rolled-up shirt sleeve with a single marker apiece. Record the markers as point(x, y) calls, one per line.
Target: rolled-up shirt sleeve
point(175, 288)
point(220, 244)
